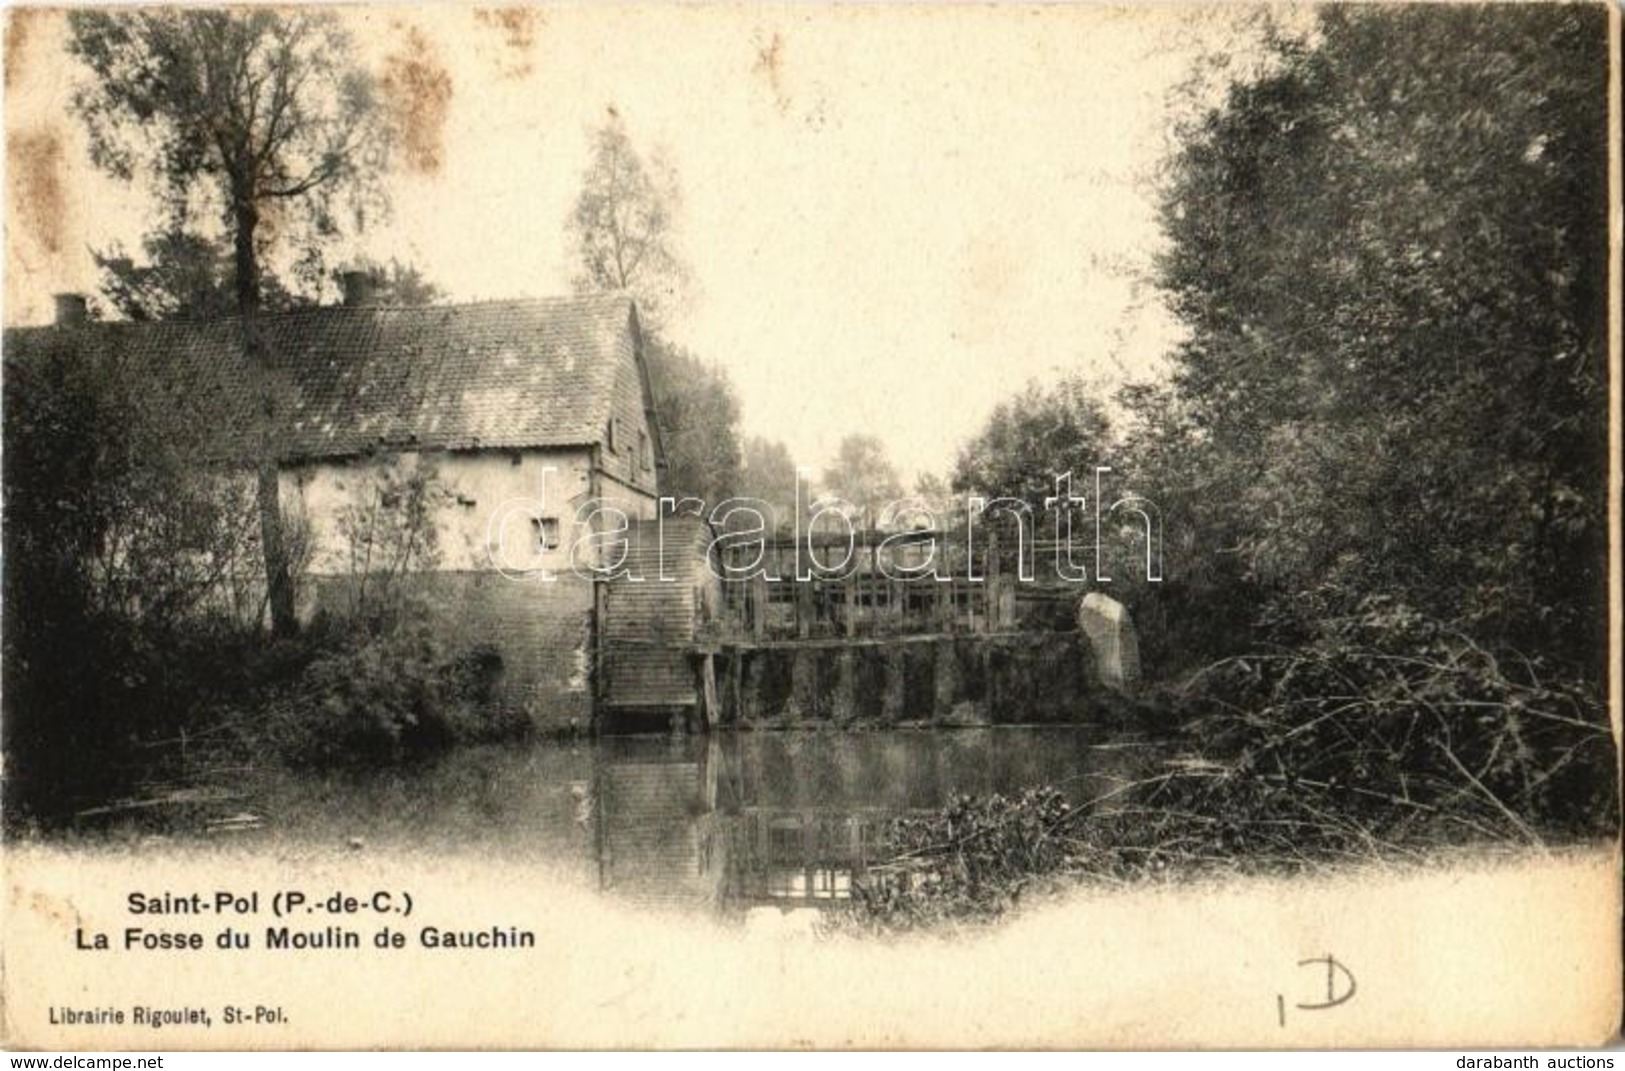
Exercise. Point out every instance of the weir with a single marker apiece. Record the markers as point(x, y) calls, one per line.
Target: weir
point(737, 638)
point(935, 679)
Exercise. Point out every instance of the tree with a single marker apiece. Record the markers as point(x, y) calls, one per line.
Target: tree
point(622, 227)
point(622, 233)
point(397, 283)
point(699, 422)
point(388, 532)
point(1389, 250)
point(864, 476)
point(256, 114)
point(1031, 444)
point(183, 276)
point(931, 487)
point(1033, 438)
point(122, 552)
point(768, 474)
point(188, 276)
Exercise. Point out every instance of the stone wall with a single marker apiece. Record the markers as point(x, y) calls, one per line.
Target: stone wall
point(484, 512)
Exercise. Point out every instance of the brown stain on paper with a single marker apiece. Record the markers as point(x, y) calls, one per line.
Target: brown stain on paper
point(20, 25)
point(59, 912)
point(36, 197)
point(770, 67)
point(417, 91)
point(518, 26)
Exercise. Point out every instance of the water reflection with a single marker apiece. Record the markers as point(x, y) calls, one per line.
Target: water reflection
point(724, 823)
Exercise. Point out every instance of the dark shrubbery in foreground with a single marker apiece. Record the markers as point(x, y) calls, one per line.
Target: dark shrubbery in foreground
point(385, 699)
point(1397, 723)
point(972, 862)
point(194, 706)
point(1382, 737)
point(1388, 464)
point(134, 660)
point(111, 707)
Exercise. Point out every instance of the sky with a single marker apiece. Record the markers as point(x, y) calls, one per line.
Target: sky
point(895, 216)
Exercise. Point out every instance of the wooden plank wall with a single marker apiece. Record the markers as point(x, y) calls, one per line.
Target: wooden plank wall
point(650, 625)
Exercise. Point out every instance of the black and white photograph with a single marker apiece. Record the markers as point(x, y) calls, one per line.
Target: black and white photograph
point(811, 526)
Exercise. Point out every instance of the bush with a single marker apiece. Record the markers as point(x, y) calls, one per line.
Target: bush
point(160, 706)
point(1398, 720)
point(388, 697)
point(971, 862)
point(1384, 736)
point(122, 618)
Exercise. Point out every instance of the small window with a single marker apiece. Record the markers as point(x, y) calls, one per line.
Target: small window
point(612, 434)
point(547, 532)
point(645, 455)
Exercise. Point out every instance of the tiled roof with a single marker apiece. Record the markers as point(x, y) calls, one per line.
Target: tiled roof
point(496, 375)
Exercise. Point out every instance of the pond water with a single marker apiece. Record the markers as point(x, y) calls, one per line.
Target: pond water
point(727, 822)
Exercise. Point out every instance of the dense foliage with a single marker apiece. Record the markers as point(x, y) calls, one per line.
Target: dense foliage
point(258, 121)
point(623, 235)
point(768, 474)
point(863, 476)
point(135, 654)
point(375, 698)
point(1383, 738)
point(1040, 433)
point(971, 862)
point(123, 561)
point(698, 414)
point(1381, 456)
point(1387, 247)
point(1390, 253)
point(388, 683)
point(184, 275)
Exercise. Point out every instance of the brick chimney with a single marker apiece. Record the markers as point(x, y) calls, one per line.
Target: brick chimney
point(358, 288)
point(71, 309)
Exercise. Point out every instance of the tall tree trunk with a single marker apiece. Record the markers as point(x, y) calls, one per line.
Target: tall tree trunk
point(278, 581)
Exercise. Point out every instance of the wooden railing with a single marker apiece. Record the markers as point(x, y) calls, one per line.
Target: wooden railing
point(976, 589)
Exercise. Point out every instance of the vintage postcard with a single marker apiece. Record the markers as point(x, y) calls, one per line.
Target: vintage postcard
point(811, 526)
